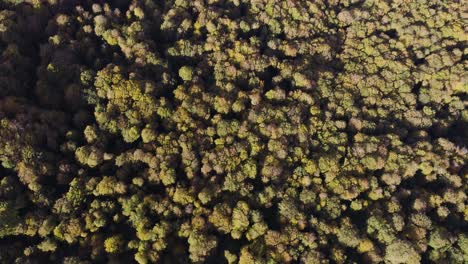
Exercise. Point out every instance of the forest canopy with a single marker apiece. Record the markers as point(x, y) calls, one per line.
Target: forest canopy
point(233, 131)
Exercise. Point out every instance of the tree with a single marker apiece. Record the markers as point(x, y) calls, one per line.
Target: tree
point(401, 252)
point(114, 244)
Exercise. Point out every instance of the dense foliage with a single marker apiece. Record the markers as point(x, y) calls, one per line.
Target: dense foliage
point(233, 131)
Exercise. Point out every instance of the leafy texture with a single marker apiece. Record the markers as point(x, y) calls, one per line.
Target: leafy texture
point(233, 131)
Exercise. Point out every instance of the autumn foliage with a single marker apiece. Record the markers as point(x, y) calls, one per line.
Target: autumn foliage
point(233, 131)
